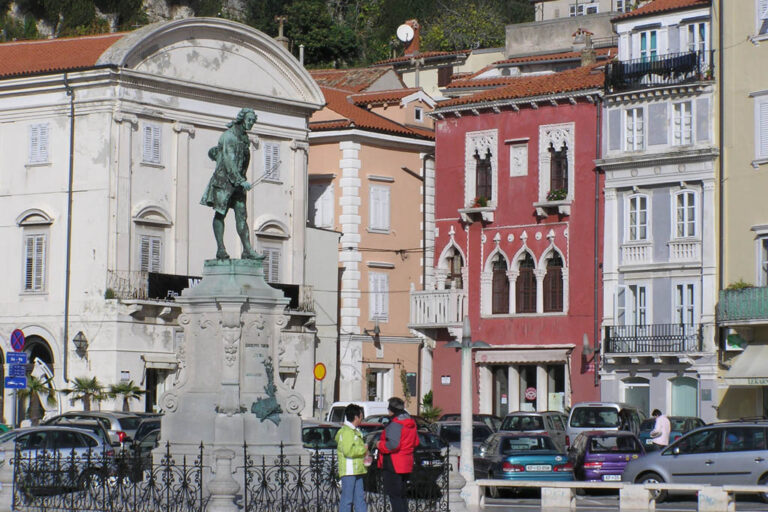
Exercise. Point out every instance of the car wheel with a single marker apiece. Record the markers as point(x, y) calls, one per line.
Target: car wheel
point(493, 491)
point(763, 481)
point(653, 478)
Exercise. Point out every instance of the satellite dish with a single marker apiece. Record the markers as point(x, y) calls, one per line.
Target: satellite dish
point(405, 33)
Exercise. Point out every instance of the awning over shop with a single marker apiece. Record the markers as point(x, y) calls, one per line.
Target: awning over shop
point(543, 355)
point(750, 368)
point(160, 361)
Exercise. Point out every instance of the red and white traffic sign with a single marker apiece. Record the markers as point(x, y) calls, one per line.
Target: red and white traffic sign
point(17, 340)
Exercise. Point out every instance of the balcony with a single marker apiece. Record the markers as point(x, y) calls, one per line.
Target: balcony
point(432, 309)
point(652, 339)
point(684, 250)
point(743, 307)
point(636, 253)
point(669, 69)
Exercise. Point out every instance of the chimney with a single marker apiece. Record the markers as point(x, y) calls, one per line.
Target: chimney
point(413, 46)
point(582, 42)
point(280, 37)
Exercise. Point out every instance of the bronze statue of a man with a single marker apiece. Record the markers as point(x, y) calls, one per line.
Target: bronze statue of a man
point(228, 185)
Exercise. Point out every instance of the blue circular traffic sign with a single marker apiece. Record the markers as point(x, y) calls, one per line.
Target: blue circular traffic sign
point(17, 340)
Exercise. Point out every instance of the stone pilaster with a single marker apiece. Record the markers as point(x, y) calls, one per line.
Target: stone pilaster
point(122, 255)
point(181, 221)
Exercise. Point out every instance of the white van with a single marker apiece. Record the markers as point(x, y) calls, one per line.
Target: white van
point(586, 416)
point(336, 412)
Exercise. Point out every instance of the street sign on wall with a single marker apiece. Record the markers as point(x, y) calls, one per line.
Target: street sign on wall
point(15, 383)
point(16, 358)
point(17, 370)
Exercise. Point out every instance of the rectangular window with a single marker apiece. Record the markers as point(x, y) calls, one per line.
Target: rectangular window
point(321, 205)
point(582, 8)
point(410, 379)
point(634, 129)
point(38, 143)
point(272, 256)
point(648, 50)
point(150, 253)
point(614, 129)
point(762, 263)
point(682, 126)
point(638, 296)
point(697, 37)
point(151, 143)
point(685, 214)
point(762, 17)
point(34, 262)
point(444, 75)
point(658, 124)
point(702, 120)
point(684, 304)
point(271, 161)
point(379, 208)
point(378, 296)
point(638, 218)
point(761, 129)
point(418, 114)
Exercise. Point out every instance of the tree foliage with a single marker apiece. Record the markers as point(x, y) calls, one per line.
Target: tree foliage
point(127, 391)
point(86, 390)
point(36, 389)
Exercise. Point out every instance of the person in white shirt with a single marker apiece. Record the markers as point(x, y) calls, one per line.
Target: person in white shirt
point(661, 430)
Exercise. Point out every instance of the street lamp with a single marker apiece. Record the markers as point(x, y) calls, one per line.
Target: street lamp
point(466, 464)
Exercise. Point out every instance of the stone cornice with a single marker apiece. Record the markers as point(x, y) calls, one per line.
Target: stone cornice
point(517, 103)
point(649, 159)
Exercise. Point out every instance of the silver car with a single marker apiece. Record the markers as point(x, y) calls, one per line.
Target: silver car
point(732, 453)
point(545, 422)
point(120, 425)
point(450, 432)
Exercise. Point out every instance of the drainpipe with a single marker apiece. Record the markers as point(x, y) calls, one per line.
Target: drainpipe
point(596, 327)
point(68, 261)
point(721, 170)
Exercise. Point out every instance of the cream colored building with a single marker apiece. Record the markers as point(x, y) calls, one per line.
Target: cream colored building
point(743, 311)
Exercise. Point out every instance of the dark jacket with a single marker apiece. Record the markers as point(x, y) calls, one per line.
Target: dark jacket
point(396, 444)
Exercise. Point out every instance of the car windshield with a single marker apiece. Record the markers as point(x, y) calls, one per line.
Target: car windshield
point(677, 423)
point(528, 443)
point(522, 422)
point(337, 414)
point(595, 417)
point(319, 437)
point(430, 442)
point(129, 422)
point(608, 444)
point(452, 433)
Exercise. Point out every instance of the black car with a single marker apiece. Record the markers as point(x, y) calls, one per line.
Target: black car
point(493, 422)
point(430, 465)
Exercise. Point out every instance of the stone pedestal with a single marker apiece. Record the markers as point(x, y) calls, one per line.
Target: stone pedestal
point(228, 391)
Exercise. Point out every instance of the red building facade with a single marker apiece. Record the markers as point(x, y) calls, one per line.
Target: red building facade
point(517, 231)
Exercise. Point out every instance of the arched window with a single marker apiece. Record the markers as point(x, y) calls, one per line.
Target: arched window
point(525, 286)
point(558, 168)
point(483, 175)
point(500, 287)
point(455, 263)
point(553, 284)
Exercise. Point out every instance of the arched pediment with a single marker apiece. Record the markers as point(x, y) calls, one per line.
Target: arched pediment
point(489, 261)
point(271, 227)
point(34, 217)
point(442, 261)
point(552, 249)
point(218, 53)
point(520, 255)
point(152, 214)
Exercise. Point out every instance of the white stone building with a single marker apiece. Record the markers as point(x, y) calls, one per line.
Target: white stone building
point(104, 143)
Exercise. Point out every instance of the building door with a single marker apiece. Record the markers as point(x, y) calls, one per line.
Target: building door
point(528, 391)
point(637, 392)
point(500, 390)
point(380, 384)
point(685, 397)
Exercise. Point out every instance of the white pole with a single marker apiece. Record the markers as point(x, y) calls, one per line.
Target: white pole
point(467, 464)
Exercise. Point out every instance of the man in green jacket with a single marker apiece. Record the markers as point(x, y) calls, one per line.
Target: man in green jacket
point(352, 452)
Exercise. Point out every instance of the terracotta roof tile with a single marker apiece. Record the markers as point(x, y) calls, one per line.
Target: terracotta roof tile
point(423, 55)
point(587, 77)
point(52, 55)
point(660, 6)
point(353, 79)
point(374, 97)
point(600, 52)
point(354, 116)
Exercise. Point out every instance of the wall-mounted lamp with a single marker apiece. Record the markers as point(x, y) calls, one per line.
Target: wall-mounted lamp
point(81, 344)
point(374, 333)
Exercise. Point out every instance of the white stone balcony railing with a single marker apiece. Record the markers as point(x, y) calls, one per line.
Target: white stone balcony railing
point(636, 254)
point(685, 250)
point(437, 308)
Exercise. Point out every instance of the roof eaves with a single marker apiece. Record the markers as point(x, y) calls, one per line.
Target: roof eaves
point(53, 71)
point(509, 102)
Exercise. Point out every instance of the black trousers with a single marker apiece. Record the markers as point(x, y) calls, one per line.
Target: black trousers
point(394, 487)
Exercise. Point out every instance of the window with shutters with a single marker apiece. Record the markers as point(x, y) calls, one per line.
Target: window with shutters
point(637, 218)
point(682, 123)
point(632, 305)
point(685, 214)
point(150, 253)
point(685, 303)
point(697, 37)
point(762, 16)
point(583, 8)
point(151, 143)
point(272, 253)
point(378, 296)
point(553, 284)
point(271, 161)
point(38, 143)
point(525, 286)
point(648, 45)
point(761, 129)
point(321, 212)
point(379, 208)
point(35, 249)
point(500, 287)
point(634, 130)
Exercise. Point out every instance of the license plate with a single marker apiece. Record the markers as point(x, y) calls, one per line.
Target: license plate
point(538, 467)
point(649, 441)
point(611, 478)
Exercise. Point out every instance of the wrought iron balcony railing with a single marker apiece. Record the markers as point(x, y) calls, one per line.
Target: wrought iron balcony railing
point(669, 69)
point(653, 338)
point(744, 305)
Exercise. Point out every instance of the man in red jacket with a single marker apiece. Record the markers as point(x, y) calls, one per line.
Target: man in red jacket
point(396, 445)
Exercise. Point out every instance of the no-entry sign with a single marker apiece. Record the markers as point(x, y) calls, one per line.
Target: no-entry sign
point(17, 340)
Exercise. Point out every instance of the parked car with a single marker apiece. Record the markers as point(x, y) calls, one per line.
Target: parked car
point(120, 425)
point(586, 416)
point(383, 419)
point(679, 425)
point(549, 422)
point(147, 425)
point(521, 456)
point(728, 453)
point(601, 456)
point(93, 426)
point(429, 460)
point(336, 412)
point(450, 432)
point(493, 422)
point(319, 437)
point(59, 458)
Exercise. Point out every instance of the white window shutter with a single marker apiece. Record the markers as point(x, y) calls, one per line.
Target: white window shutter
point(762, 151)
point(43, 143)
point(34, 142)
point(39, 261)
point(621, 305)
point(271, 264)
point(155, 254)
point(327, 207)
point(155, 144)
point(272, 160)
point(384, 293)
point(144, 251)
point(146, 153)
point(315, 205)
point(385, 208)
point(34, 262)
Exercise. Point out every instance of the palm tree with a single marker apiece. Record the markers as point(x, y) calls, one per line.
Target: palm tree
point(85, 390)
point(128, 391)
point(36, 388)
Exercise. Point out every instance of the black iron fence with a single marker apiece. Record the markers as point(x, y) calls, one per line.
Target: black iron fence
point(669, 69)
point(652, 338)
point(77, 480)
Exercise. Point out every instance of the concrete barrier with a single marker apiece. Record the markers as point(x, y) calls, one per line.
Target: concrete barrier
point(557, 499)
point(636, 498)
point(716, 499)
